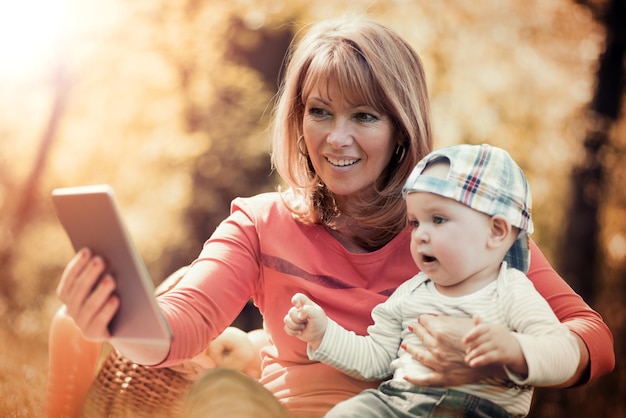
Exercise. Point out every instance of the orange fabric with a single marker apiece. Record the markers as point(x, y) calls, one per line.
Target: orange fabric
point(72, 367)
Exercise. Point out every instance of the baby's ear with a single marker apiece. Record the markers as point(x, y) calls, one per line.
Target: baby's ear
point(501, 231)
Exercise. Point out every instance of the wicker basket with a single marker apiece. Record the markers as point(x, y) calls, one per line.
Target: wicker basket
point(123, 389)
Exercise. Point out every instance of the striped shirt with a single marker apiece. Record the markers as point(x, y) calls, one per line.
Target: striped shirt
point(550, 350)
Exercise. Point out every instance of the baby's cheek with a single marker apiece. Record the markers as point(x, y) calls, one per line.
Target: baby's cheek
point(414, 254)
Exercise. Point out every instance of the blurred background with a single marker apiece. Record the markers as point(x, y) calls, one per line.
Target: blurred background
point(169, 101)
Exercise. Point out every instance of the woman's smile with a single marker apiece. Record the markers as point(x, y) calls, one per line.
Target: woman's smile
point(342, 162)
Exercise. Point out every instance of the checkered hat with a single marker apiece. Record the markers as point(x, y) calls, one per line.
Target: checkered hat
point(486, 179)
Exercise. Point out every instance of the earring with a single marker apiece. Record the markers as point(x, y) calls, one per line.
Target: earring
point(302, 149)
point(400, 151)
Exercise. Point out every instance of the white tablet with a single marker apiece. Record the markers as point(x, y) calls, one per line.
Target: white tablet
point(91, 219)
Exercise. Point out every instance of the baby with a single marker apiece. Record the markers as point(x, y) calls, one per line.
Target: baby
point(469, 207)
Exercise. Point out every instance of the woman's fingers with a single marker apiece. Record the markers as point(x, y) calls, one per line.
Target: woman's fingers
point(442, 335)
point(98, 310)
point(88, 295)
point(444, 353)
point(71, 272)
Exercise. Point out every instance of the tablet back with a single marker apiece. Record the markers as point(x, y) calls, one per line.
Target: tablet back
point(91, 219)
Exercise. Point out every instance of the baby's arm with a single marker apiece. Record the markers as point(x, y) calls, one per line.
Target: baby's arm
point(494, 343)
point(365, 357)
point(550, 351)
point(306, 320)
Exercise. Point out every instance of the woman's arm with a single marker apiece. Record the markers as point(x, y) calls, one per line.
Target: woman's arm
point(215, 288)
point(442, 335)
point(595, 340)
point(197, 308)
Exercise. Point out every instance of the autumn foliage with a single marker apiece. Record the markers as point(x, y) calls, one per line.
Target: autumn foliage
point(169, 101)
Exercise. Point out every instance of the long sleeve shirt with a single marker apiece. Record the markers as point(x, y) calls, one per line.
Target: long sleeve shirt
point(261, 252)
point(550, 350)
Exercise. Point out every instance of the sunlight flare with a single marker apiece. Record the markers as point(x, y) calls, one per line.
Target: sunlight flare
point(31, 34)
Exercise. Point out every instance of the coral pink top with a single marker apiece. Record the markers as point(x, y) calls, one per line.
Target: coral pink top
point(261, 252)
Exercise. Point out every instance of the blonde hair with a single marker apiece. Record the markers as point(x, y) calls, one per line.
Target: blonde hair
point(371, 64)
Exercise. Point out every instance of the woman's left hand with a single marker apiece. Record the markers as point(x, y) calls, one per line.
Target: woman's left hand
point(444, 352)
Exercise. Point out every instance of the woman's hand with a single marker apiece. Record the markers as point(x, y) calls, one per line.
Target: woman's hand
point(87, 293)
point(444, 352)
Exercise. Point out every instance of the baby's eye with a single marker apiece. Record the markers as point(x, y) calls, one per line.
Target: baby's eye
point(438, 219)
point(414, 223)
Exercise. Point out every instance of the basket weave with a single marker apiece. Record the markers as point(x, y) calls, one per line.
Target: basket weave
point(123, 389)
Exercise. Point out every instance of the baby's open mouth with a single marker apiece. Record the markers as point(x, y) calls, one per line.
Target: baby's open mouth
point(428, 259)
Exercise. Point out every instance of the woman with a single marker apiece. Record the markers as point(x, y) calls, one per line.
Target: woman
point(351, 121)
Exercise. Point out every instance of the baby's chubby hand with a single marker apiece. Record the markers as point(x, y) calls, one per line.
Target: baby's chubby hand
point(306, 320)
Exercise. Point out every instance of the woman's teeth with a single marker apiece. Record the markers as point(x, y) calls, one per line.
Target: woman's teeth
point(341, 163)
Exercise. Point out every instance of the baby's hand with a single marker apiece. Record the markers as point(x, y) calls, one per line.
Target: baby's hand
point(493, 344)
point(306, 320)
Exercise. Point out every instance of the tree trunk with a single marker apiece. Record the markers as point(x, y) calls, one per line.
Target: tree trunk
point(579, 247)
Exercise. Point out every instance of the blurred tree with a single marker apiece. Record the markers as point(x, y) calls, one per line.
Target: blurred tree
point(579, 251)
point(234, 120)
point(579, 254)
point(172, 96)
point(593, 219)
point(234, 159)
point(18, 211)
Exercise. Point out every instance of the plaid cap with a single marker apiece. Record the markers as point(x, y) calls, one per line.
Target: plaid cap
point(486, 179)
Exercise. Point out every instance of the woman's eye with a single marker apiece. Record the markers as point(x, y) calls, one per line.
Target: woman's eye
point(365, 117)
point(318, 112)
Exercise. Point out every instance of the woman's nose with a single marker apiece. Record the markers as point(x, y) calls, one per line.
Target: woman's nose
point(340, 135)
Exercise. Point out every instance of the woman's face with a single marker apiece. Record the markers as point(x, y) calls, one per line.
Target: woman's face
point(349, 144)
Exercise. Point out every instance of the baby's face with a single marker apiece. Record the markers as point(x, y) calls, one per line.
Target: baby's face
point(449, 240)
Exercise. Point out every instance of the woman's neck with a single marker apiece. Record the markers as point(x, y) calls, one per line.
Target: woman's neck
point(350, 235)
point(351, 244)
point(346, 224)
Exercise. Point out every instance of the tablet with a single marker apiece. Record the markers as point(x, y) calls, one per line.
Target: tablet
point(91, 219)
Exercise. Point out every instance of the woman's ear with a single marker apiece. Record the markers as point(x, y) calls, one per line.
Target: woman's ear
point(501, 232)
